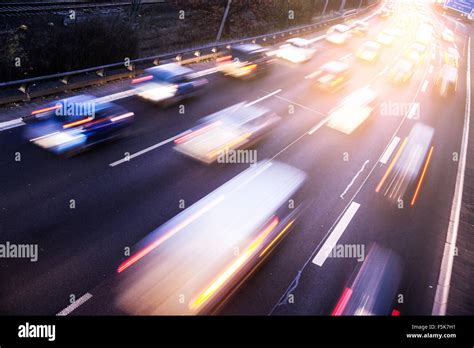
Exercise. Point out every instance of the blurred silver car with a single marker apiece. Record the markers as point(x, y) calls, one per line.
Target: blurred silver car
point(353, 110)
point(237, 126)
point(193, 262)
point(296, 50)
point(447, 82)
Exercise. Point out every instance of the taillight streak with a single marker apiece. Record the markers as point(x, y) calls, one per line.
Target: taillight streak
point(142, 79)
point(192, 134)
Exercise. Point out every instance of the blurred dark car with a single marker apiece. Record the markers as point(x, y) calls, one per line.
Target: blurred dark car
point(374, 286)
point(245, 61)
point(169, 83)
point(72, 126)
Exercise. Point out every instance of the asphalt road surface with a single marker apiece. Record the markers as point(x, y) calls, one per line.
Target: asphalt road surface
point(118, 203)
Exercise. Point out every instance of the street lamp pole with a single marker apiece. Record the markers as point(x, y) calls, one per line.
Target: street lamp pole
point(221, 29)
point(325, 7)
point(343, 5)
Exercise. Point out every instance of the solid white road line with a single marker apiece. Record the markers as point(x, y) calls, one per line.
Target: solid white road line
point(148, 149)
point(11, 124)
point(264, 97)
point(389, 151)
point(414, 111)
point(319, 125)
point(425, 86)
point(354, 179)
point(73, 306)
point(336, 233)
point(442, 290)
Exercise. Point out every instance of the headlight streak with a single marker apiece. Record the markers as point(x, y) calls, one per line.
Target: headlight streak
point(234, 267)
point(136, 257)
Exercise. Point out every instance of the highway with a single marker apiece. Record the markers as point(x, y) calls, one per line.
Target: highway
point(118, 201)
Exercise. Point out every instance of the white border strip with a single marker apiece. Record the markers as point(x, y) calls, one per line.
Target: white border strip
point(264, 97)
point(11, 124)
point(442, 290)
point(148, 149)
point(388, 152)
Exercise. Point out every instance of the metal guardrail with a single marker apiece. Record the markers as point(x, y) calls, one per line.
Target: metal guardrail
point(14, 7)
point(26, 89)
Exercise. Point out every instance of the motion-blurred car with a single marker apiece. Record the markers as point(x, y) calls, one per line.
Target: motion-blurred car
point(369, 52)
point(402, 71)
point(416, 52)
point(384, 38)
point(235, 127)
point(245, 61)
point(360, 28)
point(402, 181)
point(338, 34)
point(69, 131)
point(82, 103)
point(194, 262)
point(353, 110)
point(451, 57)
point(374, 286)
point(296, 50)
point(447, 81)
point(168, 84)
point(448, 35)
point(332, 76)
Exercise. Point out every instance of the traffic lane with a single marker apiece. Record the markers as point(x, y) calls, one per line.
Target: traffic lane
point(153, 125)
point(91, 190)
point(420, 231)
point(283, 76)
point(287, 78)
point(166, 123)
point(273, 147)
point(417, 236)
point(319, 185)
point(79, 246)
point(153, 119)
point(279, 264)
point(39, 214)
point(329, 176)
point(268, 151)
point(43, 217)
